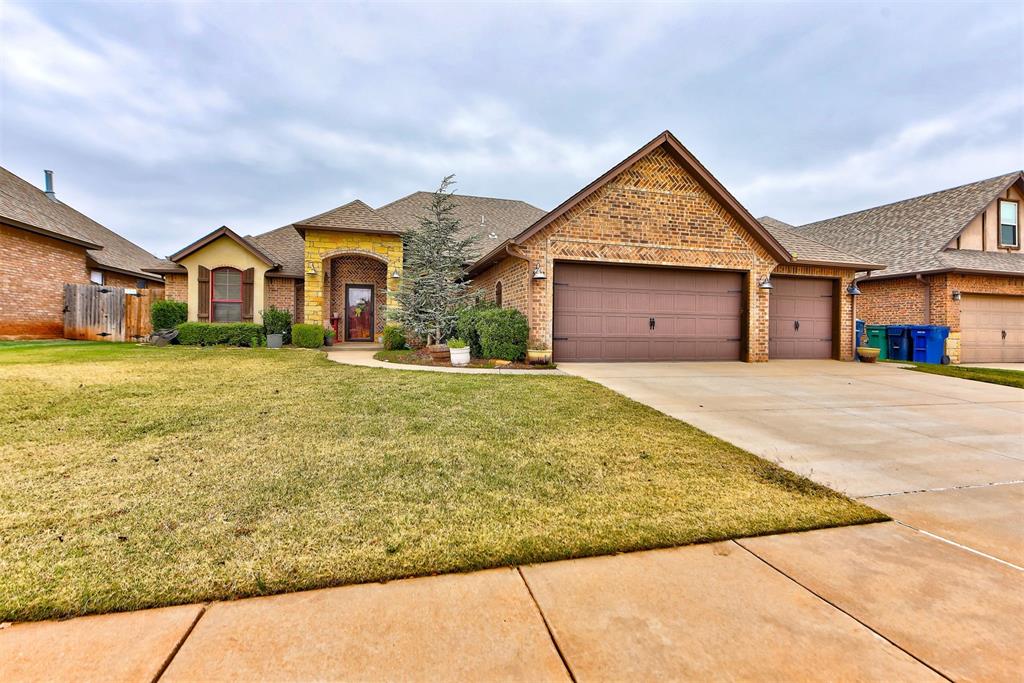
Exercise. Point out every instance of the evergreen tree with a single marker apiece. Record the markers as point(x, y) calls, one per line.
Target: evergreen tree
point(434, 286)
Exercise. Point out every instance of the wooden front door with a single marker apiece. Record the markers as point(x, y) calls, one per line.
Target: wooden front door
point(359, 316)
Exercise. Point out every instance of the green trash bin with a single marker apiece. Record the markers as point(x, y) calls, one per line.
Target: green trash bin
point(876, 340)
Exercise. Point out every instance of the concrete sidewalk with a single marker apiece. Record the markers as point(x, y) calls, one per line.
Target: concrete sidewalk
point(877, 602)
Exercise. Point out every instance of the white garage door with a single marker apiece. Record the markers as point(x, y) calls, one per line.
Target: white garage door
point(991, 329)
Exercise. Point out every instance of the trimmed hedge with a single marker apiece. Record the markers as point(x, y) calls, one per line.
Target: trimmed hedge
point(210, 334)
point(394, 338)
point(504, 333)
point(308, 335)
point(466, 326)
point(166, 315)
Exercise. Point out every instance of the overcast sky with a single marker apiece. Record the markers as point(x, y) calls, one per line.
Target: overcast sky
point(164, 121)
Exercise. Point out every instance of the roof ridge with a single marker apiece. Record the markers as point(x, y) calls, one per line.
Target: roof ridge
point(908, 199)
point(457, 195)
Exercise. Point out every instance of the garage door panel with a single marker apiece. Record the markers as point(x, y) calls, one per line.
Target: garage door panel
point(697, 313)
point(800, 323)
point(992, 329)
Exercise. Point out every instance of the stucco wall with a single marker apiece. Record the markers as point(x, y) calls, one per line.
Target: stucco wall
point(224, 252)
point(973, 237)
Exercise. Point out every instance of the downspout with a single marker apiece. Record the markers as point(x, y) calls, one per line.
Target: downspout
point(927, 298)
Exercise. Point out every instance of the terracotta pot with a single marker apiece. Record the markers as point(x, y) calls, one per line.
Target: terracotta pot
point(438, 352)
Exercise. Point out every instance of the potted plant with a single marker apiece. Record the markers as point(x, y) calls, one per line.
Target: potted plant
point(459, 351)
point(328, 337)
point(438, 352)
point(276, 324)
point(868, 354)
point(540, 356)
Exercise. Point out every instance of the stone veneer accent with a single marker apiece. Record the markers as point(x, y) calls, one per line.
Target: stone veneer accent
point(324, 245)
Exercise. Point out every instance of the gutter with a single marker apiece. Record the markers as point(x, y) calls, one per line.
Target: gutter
point(50, 233)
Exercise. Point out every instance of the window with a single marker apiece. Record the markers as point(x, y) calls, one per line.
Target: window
point(1009, 223)
point(226, 295)
point(141, 284)
point(96, 277)
point(497, 294)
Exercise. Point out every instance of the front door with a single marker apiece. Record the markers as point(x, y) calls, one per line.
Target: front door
point(358, 313)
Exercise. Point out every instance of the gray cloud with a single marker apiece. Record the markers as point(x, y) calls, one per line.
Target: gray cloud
point(164, 121)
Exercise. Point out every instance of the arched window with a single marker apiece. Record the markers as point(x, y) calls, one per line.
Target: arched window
point(497, 293)
point(226, 295)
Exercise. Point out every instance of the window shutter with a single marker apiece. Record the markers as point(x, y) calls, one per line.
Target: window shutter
point(204, 294)
point(248, 276)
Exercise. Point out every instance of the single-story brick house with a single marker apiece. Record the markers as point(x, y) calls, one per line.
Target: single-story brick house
point(654, 260)
point(45, 244)
point(952, 258)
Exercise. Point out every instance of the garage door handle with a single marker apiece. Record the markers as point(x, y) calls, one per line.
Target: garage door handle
point(796, 324)
point(1004, 334)
point(651, 323)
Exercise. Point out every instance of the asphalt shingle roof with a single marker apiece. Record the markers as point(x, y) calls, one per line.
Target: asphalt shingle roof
point(804, 249)
point(286, 247)
point(355, 216)
point(911, 235)
point(22, 202)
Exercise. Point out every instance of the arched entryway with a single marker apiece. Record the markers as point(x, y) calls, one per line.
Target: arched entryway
point(356, 296)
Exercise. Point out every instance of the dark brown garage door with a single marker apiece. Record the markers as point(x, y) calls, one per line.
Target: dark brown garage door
point(623, 313)
point(800, 316)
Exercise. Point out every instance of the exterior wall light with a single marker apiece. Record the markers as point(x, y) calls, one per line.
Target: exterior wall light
point(538, 273)
point(310, 268)
point(395, 274)
point(766, 283)
point(853, 289)
point(956, 295)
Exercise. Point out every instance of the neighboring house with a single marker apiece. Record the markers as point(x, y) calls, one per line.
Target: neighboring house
point(952, 258)
point(654, 260)
point(45, 244)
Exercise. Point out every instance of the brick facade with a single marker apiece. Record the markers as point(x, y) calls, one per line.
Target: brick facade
point(281, 293)
point(176, 287)
point(32, 279)
point(908, 301)
point(358, 270)
point(652, 213)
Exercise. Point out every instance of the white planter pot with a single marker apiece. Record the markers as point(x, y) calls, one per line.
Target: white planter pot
point(460, 356)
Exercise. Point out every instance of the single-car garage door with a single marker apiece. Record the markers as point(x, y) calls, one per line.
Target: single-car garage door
point(800, 318)
point(625, 313)
point(991, 329)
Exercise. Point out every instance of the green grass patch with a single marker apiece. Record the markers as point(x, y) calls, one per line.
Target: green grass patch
point(1009, 378)
point(134, 477)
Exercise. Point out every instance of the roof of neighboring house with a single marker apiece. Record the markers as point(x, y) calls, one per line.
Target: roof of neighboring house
point(483, 216)
point(355, 216)
point(808, 251)
point(911, 235)
point(25, 206)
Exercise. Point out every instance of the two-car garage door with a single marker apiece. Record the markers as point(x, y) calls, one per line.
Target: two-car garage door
point(624, 313)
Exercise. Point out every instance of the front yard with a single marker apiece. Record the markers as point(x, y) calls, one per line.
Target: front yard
point(133, 476)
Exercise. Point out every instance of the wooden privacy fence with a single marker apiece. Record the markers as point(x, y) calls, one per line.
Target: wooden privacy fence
point(98, 312)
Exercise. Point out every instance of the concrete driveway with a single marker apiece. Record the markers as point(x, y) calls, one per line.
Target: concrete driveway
point(941, 454)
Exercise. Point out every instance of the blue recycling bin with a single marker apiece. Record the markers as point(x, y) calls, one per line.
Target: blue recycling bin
point(928, 343)
point(861, 330)
point(897, 342)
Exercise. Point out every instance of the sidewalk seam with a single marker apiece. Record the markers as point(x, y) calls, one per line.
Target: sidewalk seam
point(543, 617)
point(177, 648)
point(953, 543)
point(840, 609)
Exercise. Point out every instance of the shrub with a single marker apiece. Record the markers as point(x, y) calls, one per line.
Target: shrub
point(209, 334)
point(456, 344)
point(503, 333)
point(166, 315)
point(308, 335)
point(394, 338)
point(466, 326)
point(276, 321)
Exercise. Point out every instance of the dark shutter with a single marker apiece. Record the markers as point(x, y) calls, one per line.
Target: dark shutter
point(248, 275)
point(204, 294)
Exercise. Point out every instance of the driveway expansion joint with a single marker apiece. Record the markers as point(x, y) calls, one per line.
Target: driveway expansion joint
point(940, 489)
point(739, 542)
point(547, 625)
point(951, 542)
point(184, 637)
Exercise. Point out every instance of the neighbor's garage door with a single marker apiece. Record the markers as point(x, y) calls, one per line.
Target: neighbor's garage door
point(800, 318)
point(991, 329)
point(624, 313)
